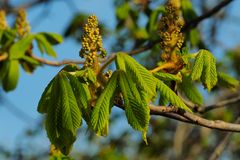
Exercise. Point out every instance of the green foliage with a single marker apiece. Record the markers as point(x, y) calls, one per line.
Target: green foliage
point(153, 19)
point(190, 91)
point(86, 75)
point(136, 108)
point(122, 11)
point(198, 66)
point(168, 94)
point(11, 76)
point(141, 76)
point(44, 45)
point(101, 111)
point(167, 77)
point(45, 99)
point(227, 81)
point(205, 69)
point(18, 49)
point(82, 95)
point(52, 38)
point(187, 10)
point(63, 113)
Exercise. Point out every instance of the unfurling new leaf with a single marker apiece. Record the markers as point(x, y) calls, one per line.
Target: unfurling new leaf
point(205, 69)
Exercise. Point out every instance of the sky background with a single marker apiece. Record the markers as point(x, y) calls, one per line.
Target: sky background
point(54, 18)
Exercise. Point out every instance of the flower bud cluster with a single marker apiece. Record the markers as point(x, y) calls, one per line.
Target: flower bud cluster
point(92, 46)
point(3, 21)
point(170, 28)
point(21, 24)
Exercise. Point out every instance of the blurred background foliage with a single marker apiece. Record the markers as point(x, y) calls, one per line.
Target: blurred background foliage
point(136, 25)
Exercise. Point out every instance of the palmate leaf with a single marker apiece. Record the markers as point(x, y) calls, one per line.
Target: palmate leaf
point(63, 114)
point(101, 111)
point(168, 94)
point(227, 81)
point(190, 91)
point(144, 79)
point(136, 108)
point(205, 69)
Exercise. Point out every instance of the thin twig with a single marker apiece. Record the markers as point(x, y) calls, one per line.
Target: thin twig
point(222, 145)
point(217, 105)
point(194, 22)
point(3, 57)
point(56, 63)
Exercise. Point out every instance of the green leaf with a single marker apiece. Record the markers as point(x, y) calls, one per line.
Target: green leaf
point(187, 10)
point(163, 101)
point(167, 77)
point(82, 95)
point(11, 78)
point(190, 91)
point(153, 19)
point(101, 112)
point(19, 48)
point(194, 37)
point(45, 99)
point(227, 81)
point(209, 76)
point(63, 114)
point(44, 45)
point(205, 68)
point(30, 60)
point(3, 69)
point(136, 108)
point(52, 38)
point(144, 79)
point(166, 92)
point(122, 12)
point(198, 66)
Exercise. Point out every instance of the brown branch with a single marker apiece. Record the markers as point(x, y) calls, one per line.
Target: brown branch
point(180, 115)
point(194, 22)
point(222, 145)
point(56, 63)
point(216, 105)
point(3, 57)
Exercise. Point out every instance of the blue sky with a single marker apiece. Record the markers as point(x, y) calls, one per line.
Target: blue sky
point(54, 19)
